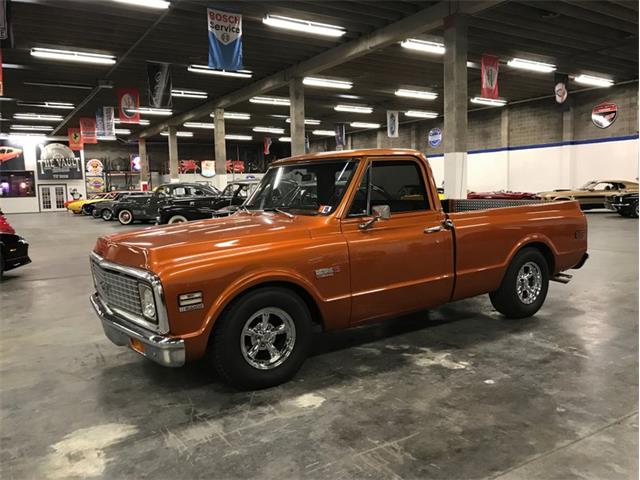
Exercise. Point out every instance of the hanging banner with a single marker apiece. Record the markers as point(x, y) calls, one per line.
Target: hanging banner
point(128, 105)
point(340, 136)
point(75, 140)
point(267, 145)
point(4, 22)
point(434, 137)
point(1, 80)
point(160, 84)
point(88, 133)
point(560, 88)
point(225, 40)
point(604, 114)
point(489, 76)
point(307, 144)
point(105, 124)
point(393, 123)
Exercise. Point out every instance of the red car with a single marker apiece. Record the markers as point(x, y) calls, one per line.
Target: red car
point(235, 166)
point(503, 195)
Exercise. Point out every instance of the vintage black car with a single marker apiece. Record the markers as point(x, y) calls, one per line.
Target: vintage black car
point(104, 209)
point(144, 208)
point(14, 250)
point(199, 208)
point(625, 204)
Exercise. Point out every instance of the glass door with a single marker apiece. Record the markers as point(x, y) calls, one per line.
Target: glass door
point(52, 197)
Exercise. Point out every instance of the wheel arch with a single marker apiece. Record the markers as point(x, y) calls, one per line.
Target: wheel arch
point(540, 243)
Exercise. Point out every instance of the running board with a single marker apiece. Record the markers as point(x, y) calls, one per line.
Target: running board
point(562, 277)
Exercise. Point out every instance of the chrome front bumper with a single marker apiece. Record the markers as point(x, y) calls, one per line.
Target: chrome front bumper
point(167, 351)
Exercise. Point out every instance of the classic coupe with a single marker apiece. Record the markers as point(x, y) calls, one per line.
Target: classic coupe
point(625, 204)
point(363, 237)
point(592, 194)
point(104, 208)
point(14, 250)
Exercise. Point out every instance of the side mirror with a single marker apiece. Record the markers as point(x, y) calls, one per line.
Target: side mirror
point(380, 212)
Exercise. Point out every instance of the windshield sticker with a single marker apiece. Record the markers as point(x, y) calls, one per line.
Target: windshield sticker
point(324, 209)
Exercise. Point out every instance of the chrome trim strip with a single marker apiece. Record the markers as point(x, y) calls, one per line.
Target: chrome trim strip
point(153, 281)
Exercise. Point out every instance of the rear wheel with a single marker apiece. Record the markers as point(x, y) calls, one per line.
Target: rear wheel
point(86, 210)
point(524, 286)
point(262, 339)
point(177, 219)
point(107, 215)
point(125, 217)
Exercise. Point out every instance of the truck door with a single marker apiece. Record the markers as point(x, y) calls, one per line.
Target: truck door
point(403, 263)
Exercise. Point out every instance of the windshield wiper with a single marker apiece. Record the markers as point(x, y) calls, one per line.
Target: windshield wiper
point(279, 210)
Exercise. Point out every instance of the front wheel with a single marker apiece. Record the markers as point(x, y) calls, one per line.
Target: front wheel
point(262, 339)
point(107, 215)
point(524, 286)
point(177, 219)
point(125, 217)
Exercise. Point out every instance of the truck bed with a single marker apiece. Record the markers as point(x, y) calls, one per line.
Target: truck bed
point(468, 205)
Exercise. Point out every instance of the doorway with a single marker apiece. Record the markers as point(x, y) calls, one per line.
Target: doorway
point(52, 197)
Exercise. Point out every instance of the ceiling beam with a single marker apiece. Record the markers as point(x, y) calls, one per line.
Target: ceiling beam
point(424, 20)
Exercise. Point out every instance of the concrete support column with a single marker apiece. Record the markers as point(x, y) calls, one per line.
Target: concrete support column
point(144, 162)
point(380, 138)
point(173, 154)
point(568, 163)
point(296, 113)
point(455, 107)
point(220, 144)
point(414, 136)
point(504, 143)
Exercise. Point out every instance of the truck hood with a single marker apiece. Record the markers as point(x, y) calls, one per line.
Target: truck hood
point(160, 248)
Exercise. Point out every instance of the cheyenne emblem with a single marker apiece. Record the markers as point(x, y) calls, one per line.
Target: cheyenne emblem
point(327, 272)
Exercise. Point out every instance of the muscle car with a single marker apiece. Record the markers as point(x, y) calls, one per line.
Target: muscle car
point(626, 204)
point(199, 208)
point(502, 195)
point(86, 205)
point(592, 194)
point(332, 239)
point(14, 250)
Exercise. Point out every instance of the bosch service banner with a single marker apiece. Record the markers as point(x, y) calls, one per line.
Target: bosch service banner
point(225, 40)
point(128, 105)
point(341, 136)
point(489, 73)
point(159, 81)
point(88, 131)
point(105, 125)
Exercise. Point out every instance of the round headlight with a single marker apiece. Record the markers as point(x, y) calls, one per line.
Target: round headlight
point(147, 301)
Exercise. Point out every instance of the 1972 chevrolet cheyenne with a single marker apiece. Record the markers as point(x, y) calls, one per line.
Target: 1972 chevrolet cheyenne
point(334, 239)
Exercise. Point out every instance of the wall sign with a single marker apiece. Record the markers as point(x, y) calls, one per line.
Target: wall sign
point(58, 162)
point(95, 185)
point(94, 167)
point(604, 114)
point(208, 168)
point(435, 137)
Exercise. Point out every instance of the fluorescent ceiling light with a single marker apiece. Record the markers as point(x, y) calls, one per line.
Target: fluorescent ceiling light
point(233, 116)
point(159, 4)
point(327, 82)
point(280, 101)
point(188, 93)
point(324, 133)
point(594, 81)
point(492, 102)
point(350, 97)
point(122, 131)
point(353, 108)
point(178, 134)
point(364, 125)
point(238, 137)
point(268, 130)
point(222, 73)
point(59, 85)
point(38, 128)
point(56, 105)
point(208, 126)
point(420, 114)
point(107, 139)
point(73, 56)
point(421, 94)
point(37, 116)
point(530, 65)
point(305, 26)
point(141, 122)
point(307, 121)
point(152, 111)
point(423, 46)
point(285, 139)
point(18, 136)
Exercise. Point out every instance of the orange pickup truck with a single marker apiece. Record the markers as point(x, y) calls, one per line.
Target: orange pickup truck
point(331, 239)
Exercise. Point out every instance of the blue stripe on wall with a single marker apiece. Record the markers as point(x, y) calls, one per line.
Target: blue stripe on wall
point(548, 145)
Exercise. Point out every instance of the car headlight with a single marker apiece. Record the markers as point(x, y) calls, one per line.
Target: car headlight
point(147, 301)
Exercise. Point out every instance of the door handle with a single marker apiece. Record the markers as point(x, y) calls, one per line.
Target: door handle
point(433, 229)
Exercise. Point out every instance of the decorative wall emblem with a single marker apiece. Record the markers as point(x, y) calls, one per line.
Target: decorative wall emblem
point(604, 114)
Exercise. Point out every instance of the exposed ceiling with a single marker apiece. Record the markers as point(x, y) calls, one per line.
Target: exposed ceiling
point(580, 37)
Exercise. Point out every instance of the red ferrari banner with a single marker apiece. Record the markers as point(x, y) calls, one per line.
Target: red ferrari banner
point(489, 72)
point(267, 145)
point(75, 139)
point(88, 130)
point(128, 105)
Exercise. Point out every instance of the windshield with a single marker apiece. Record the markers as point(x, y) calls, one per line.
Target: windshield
point(314, 188)
point(589, 185)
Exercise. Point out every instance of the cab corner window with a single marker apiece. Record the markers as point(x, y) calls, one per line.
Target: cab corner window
point(398, 184)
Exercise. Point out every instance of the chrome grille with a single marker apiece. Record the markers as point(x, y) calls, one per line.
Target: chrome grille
point(117, 290)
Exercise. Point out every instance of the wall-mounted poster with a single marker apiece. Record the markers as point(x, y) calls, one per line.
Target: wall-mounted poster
point(58, 162)
point(435, 137)
point(208, 168)
point(94, 167)
point(95, 185)
point(11, 156)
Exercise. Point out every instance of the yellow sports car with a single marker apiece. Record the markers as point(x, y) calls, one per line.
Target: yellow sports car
point(78, 206)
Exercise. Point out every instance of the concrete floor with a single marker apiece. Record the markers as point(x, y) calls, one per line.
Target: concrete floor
point(458, 392)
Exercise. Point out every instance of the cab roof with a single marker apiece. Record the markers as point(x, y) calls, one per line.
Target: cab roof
point(363, 152)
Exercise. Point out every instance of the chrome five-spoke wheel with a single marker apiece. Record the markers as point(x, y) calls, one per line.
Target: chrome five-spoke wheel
point(268, 338)
point(529, 283)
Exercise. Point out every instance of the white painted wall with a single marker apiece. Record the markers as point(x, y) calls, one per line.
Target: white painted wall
point(547, 168)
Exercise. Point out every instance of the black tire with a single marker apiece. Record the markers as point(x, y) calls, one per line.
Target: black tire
point(106, 215)
point(507, 299)
point(226, 351)
point(634, 211)
point(86, 210)
point(125, 217)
